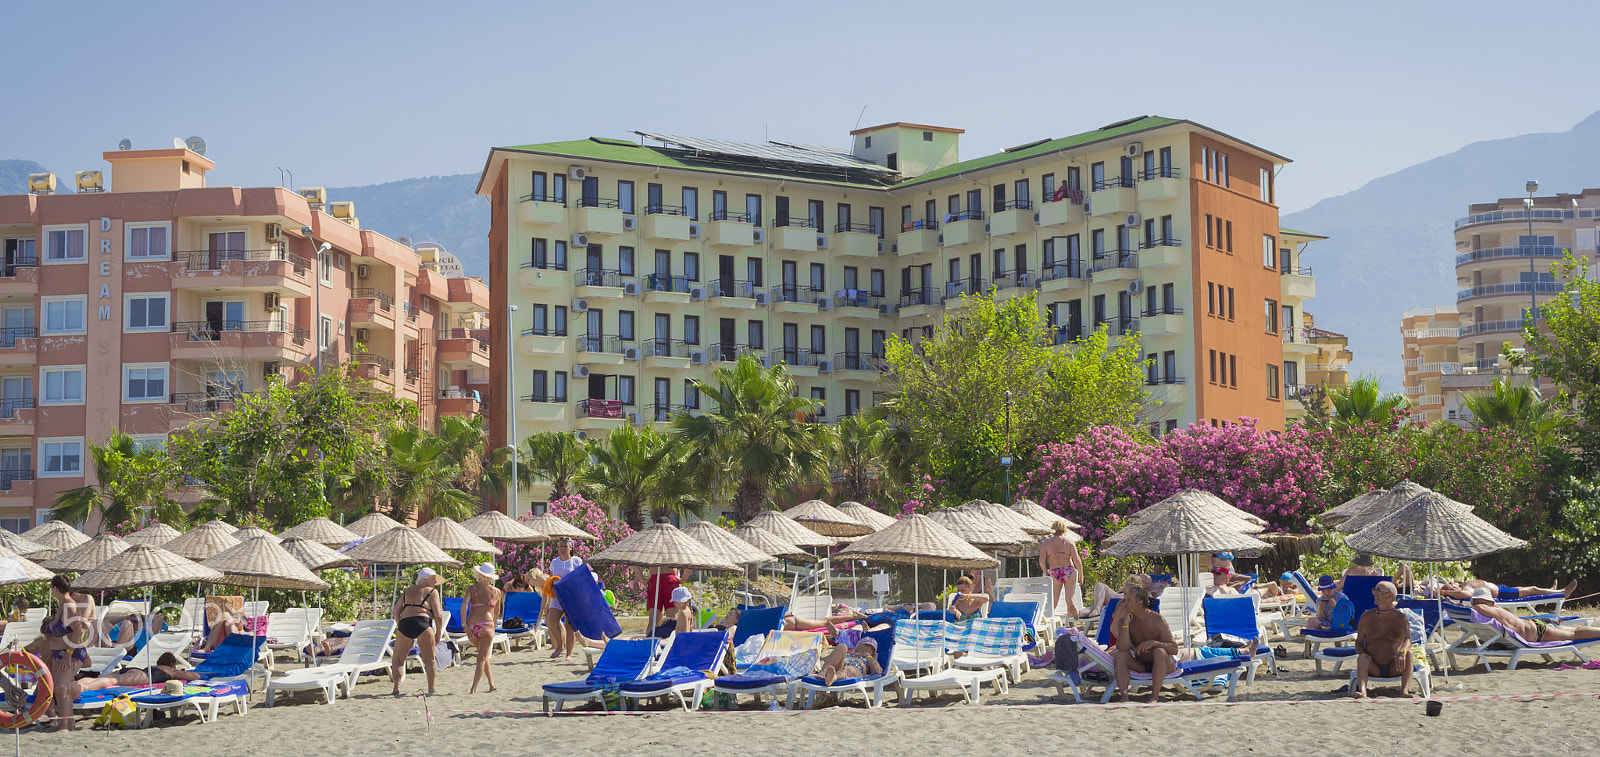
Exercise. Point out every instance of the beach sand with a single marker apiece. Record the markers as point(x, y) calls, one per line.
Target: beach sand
point(1315, 721)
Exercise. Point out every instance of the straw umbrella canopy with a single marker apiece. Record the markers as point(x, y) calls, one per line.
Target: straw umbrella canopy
point(251, 532)
point(56, 535)
point(1379, 507)
point(496, 526)
point(772, 544)
point(662, 545)
point(921, 541)
point(141, 566)
point(720, 542)
point(1208, 503)
point(202, 542)
point(314, 555)
point(554, 528)
point(322, 531)
point(16, 569)
point(1000, 514)
point(86, 556)
point(975, 531)
point(263, 563)
point(1432, 528)
point(23, 547)
point(154, 535)
point(401, 546)
point(372, 525)
point(449, 534)
point(789, 531)
point(826, 519)
point(1040, 513)
point(866, 515)
point(1352, 506)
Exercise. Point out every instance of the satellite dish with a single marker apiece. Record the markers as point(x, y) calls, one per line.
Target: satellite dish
point(179, 143)
point(126, 144)
point(196, 145)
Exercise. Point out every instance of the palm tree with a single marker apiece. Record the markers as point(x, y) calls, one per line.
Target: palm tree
point(422, 478)
point(1517, 406)
point(759, 428)
point(677, 489)
point(484, 472)
point(624, 474)
point(861, 455)
point(131, 481)
point(1363, 402)
point(554, 456)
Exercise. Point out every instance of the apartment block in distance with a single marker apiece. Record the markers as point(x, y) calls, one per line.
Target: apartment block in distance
point(639, 264)
point(147, 301)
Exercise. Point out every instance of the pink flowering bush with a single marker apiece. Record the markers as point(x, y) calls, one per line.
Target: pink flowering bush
point(1102, 474)
point(580, 512)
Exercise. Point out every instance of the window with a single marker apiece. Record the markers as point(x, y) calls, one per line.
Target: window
point(1169, 366)
point(691, 266)
point(852, 401)
point(145, 312)
point(541, 185)
point(691, 329)
point(625, 390)
point(752, 271)
point(1266, 185)
point(561, 386)
point(878, 285)
point(1097, 243)
point(64, 245)
point(561, 255)
point(755, 336)
point(867, 142)
point(625, 261)
point(1222, 167)
point(875, 220)
point(691, 203)
point(1205, 161)
point(540, 256)
point(892, 161)
point(1166, 232)
point(814, 211)
point(819, 339)
point(325, 268)
point(652, 198)
point(691, 395)
point(843, 217)
point(1152, 373)
point(819, 277)
point(1272, 316)
point(1212, 375)
point(625, 196)
point(927, 136)
point(1210, 238)
point(1097, 175)
point(1229, 236)
point(1230, 303)
point(61, 457)
point(1269, 251)
point(144, 383)
point(325, 333)
point(752, 208)
point(63, 385)
point(64, 315)
point(1211, 298)
point(1272, 382)
point(147, 242)
point(625, 325)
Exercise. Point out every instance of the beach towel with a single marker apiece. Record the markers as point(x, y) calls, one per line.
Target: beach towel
point(1066, 656)
point(788, 666)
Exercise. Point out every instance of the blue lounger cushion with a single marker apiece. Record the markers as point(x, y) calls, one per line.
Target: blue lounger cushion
point(817, 680)
point(655, 684)
point(225, 688)
point(1339, 652)
point(571, 687)
point(747, 681)
point(1324, 634)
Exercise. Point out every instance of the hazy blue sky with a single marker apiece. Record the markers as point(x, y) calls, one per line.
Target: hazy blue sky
point(357, 93)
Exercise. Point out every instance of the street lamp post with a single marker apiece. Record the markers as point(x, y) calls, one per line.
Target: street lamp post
point(1005, 460)
point(511, 407)
point(1533, 276)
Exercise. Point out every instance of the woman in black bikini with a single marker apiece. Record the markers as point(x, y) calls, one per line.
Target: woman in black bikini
point(66, 642)
point(419, 619)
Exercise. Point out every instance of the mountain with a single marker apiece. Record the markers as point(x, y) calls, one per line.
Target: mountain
point(14, 176)
point(1391, 243)
point(439, 209)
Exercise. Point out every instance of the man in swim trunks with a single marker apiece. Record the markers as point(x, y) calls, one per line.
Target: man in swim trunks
point(1383, 642)
point(1503, 593)
point(1530, 629)
point(1144, 642)
point(1059, 559)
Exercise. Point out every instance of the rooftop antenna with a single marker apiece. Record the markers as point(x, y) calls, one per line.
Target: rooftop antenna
point(126, 144)
point(861, 116)
point(196, 145)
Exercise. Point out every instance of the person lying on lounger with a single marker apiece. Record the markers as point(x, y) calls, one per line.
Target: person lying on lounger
point(226, 623)
point(1530, 629)
point(1144, 642)
point(862, 660)
point(165, 669)
point(1383, 642)
point(1463, 590)
point(796, 623)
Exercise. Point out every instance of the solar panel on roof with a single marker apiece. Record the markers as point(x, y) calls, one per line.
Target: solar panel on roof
point(775, 151)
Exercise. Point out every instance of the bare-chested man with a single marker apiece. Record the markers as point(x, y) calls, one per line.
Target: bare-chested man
point(1059, 559)
point(1502, 592)
point(1144, 642)
point(1383, 642)
point(1531, 629)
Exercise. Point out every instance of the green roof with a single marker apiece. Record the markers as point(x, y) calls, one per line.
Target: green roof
point(1115, 130)
point(616, 150)
point(1306, 234)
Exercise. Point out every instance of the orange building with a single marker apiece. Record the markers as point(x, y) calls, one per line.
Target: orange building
point(148, 302)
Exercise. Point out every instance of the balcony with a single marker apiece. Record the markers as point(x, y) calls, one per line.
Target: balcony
point(1008, 284)
point(1487, 327)
point(858, 304)
point(1498, 290)
point(1063, 276)
point(730, 230)
point(543, 341)
point(271, 270)
point(1450, 334)
point(1430, 400)
point(732, 294)
point(915, 303)
point(1113, 197)
point(19, 277)
point(203, 403)
point(1116, 265)
point(856, 240)
point(791, 298)
point(798, 235)
point(732, 351)
point(597, 216)
point(859, 366)
point(19, 346)
point(917, 238)
point(1296, 342)
point(1065, 210)
point(542, 409)
point(1120, 325)
point(1298, 283)
point(1165, 321)
point(954, 291)
point(1160, 184)
point(17, 416)
point(269, 340)
point(961, 228)
point(1521, 252)
point(1161, 253)
point(1498, 216)
point(17, 481)
point(459, 402)
point(1015, 217)
point(601, 414)
point(598, 282)
point(666, 222)
point(461, 350)
point(371, 307)
point(662, 413)
point(543, 276)
point(666, 289)
point(1163, 394)
point(375, 368)
point(600, 350)
point(801, 362)
point(541, 210)
point(668, 353)
point(1065, 335)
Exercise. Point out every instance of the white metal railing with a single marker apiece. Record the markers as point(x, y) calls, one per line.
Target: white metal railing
point(1431, 367)
point(1431, 333)
point(1414, 391)
point(1412, 362)
point(1431, 399)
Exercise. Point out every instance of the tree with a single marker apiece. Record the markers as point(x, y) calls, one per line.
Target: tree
point(1514, 405)
point(422, 478)
point(554, 456)
point(627, 464)
point(1363, 402)
point(131, 482)
point(861, 455)
point(759, 429)
point(951, 391)
point(1567, 349)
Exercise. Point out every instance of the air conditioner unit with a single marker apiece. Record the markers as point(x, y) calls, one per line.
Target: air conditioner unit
point(630, 288)
point(362, 335)
point(824, 366)
point(894, 248)
point(580, 434)
point(1135, 149)
point(822, 242)
point(823, 303)
point(881, 245)
point(883, 310)
point(694, 231)
point(274, 232)
point(580, 305)
point(272, 301)
point(759, 236)
point(630, 353)
point(697, 358)
point(1035, 216)
point(363, 271)
point(1132, 220)
point(986, 227)
point(580, 371)
point(697, 294)
point(761, 298)
point(941, 238)
point(580, 240)
point(629, 223)
point(577, 173)
point(1136, 286)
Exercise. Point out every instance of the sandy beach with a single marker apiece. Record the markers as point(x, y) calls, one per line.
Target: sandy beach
point(1292, 712)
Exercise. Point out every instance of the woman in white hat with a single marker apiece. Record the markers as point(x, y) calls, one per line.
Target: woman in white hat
point(482, 607)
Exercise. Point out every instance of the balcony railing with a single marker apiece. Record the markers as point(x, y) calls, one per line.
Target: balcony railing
point(1522, 287)
point(1121, 325)
point(413, 372)
point(1293, 391)
point(385, 365)
point(1074, 196)
point(796, 356)
point(545, 397)
point(1014, 205)
point(968, 286)
point(1434, 333)
point(1291, 335)
point(203, 402)
point(913, 297)
point(8, 268)
point(1072, 269)
point(544, 331)
point(859, 361)
point(1160, 242)
point(600, 343)
point(1114, 182)
point(795, 293)
point(10, 405)
point(1161, 172)
point(211, 331)
point(385, 300)
point(730, 351)
point(667, 348)
point(970, 214)
point(598, 202)
point(534, 265)
point(858, 298)
point(659, 209)
point(458, 393)
point(1513, 215)
point(593, 408)
point(1482, 363)
point(1290, 270)
point(1163, 310)
point(1152, 380)
point(1007, 280)
point(1066, 335)
point(665, 282)
point(858, 228)
point(597, 277)
point(795, 221)
point(724, 215)
point(1114, 259)
point(1489, 326)
point(212, 260)
point(1520, 251)
point(661, 412)
point(918, 226)
point(11, 475)
point(9, 337)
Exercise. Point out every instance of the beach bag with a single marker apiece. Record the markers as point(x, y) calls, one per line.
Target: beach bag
point(117, 713)
point(513, 623)
point(444, 655)
point(1226, 641)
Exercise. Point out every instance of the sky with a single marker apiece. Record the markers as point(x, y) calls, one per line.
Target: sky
point(357, 93)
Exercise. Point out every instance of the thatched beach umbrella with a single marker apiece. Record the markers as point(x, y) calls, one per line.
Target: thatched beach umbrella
point(826, 519)
point(322, 531)
point(203, 542)
point(147, 567)
point(662, 545)
point(554, 528)
point(372, 525)
point(251, 532)
point(1005, 516)
point(154, 535)
point(449, 534)
point(1432, 528)
point(16, 569)
point(866, 515)
point(1336, 515)
point(1379, 507)
point(789, 531)
point(1040, 513)
point(726, 545)
point(918, 540)
point(315, 556)
point(494, 525)
point(772, 544)
point(1210, 503)
point(398, 546)
point(86, 556)
point(980, 533)
point(262, 563)
point(23, 547)
point(56, 535)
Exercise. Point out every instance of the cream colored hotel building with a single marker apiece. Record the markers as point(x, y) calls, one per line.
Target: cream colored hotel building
point(146, 301)
point(638, 265)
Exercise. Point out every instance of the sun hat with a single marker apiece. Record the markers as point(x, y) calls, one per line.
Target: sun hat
point(868, 640)
point(487, 569)
point(680, 594)
point(1325, 583)
point(426, 573)
point(1483, 593)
